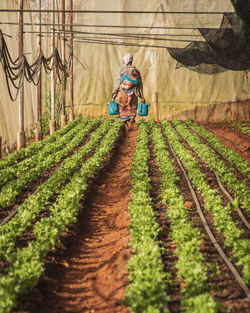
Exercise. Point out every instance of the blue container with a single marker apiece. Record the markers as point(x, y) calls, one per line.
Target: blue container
point(113, 107)
point(143, 109)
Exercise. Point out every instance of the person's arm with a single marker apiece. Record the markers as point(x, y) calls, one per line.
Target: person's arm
point(141, 95)
point(116, 84)
point(140, 87)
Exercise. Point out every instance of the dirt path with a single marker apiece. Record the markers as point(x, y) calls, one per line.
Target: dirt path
point(87, 273)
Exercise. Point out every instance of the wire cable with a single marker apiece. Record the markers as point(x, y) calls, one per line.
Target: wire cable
point(102, 26)
point(115, 12)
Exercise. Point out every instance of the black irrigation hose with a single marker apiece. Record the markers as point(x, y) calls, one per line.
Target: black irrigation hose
point(13, 213)
point(9, 217)
point(242, 217)
point(16, 70)
point(209, 232)
point(231, 199)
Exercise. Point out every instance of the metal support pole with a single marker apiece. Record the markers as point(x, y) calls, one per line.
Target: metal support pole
point(39, 134)
point(156, 108)
point(63, 113)
point(71, 114)
point(53, 85)
point(0, 147)
point(20, 133)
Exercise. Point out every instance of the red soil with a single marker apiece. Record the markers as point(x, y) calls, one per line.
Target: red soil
point(231, 137)
point(88, 271)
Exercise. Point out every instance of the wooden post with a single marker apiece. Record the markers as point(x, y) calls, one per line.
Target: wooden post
point(71, 114)
point(63, 113)
point(53, 84)
point(39, 134)
point(156, 108)
point(20, 133)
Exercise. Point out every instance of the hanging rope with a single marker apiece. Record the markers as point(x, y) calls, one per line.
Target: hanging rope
point(17, 70)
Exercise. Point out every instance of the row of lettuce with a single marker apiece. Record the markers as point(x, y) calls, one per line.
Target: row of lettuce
point(222, 218)
point(16, 177)
point(244, 127)
point(70, 183)
point(149, 283)
point(148, 288)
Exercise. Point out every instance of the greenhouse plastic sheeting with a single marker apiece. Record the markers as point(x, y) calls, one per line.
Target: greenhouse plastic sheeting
point(203, 91)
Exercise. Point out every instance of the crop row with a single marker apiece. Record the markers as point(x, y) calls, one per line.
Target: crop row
point(31, 207)
point(147, 289)
point(225, 173)
point(33, 148)
point(15, 171)
point(190, 264)
point(243, 127)
point(233, 157)
point(13, 188)
point(28, 263)
point(221, 214)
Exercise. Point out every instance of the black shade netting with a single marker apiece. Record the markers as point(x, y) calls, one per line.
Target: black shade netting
point(227, 47)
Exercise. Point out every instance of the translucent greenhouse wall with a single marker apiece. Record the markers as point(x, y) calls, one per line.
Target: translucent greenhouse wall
point(182, 91)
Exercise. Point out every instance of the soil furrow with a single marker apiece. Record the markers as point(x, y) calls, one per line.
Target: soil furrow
point(220, 279)
point(31, 187)
point(240, 176)
point(213, 183)
point(168, 258)
point(87, 272)
point(231, 137)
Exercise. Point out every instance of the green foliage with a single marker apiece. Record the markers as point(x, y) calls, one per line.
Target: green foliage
point(190, 265)
point(243, 127)
point(233, 157)
point(148, 281)
point(34, 203)
point(45, 126)
point(202, 303)
point(28, 263)
point(222, 218)
point(225, 173)
point(33, 161)
point(40, 162)
point(33, 148)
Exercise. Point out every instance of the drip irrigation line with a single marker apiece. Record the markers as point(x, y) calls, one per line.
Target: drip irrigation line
point(102, 26)
point(231, 199)
point(9, 217)
point(241, 215)
point(209, 232)
point(114, 12)
point(13, 213)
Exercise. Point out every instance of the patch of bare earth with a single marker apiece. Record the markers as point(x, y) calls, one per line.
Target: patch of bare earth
point(231, 137)
point(87, 272)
